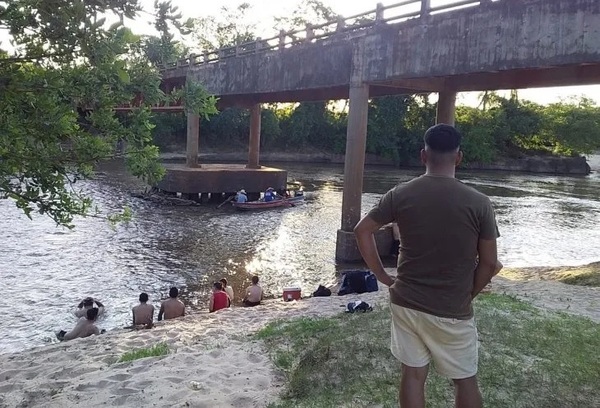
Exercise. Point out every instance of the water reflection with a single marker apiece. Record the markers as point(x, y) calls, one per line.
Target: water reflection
point(543, 221)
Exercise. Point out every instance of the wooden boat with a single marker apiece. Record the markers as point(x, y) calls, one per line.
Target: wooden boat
point(277, 202)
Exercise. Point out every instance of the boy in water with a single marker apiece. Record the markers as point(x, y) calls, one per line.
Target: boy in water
point(143, 314)
point(254, 293)
point(87, 304)
point(85, 327)
point(173, 307)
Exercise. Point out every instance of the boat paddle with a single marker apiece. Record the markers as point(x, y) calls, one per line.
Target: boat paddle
point(226, 201)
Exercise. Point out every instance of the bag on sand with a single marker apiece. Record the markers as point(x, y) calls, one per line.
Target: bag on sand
point(322, 291)
point(358, 306)
point(358, 282)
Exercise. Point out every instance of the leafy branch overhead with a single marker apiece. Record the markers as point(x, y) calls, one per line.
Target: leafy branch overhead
point(61, 79)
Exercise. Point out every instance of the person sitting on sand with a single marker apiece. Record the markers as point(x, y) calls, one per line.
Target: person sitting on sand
point(86, 304)
point(143, 314)
point(241, 196)
point(227, 288)
point(173, 307)
point(85, 327)
point(254, 293)
point(219, 298)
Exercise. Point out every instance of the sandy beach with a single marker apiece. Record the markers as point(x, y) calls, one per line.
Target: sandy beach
point(212, 362)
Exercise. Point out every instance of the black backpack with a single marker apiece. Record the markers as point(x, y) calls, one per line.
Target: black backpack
point(322, 291)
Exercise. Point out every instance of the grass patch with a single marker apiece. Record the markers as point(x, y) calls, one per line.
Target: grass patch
point(528, 358)
point(586, 275)
point(160, 349)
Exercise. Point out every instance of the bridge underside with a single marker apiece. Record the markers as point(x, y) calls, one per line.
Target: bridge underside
point(570, 75)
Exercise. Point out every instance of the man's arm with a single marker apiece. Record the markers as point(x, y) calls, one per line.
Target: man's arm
point(133, 312)
point(211, 304)
point(488, 265)
point(365, 238)
point(98, 303)
point(161, 312)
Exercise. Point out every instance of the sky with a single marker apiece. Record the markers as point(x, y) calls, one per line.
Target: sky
point(263, 12)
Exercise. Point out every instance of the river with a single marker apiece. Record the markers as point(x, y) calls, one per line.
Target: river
point(46, 270)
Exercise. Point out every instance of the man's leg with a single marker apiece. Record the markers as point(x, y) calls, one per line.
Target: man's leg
point(412, 386)
point(467, 393)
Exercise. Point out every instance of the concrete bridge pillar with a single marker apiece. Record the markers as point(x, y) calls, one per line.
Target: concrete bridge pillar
point(446, 107)
point(193, 135)
point(254, 146)
point(356, 142)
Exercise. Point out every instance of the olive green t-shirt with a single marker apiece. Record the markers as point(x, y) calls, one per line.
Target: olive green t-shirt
point(441, 221)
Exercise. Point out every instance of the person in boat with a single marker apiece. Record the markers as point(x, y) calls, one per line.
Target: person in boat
point(227, 288)
point(219, 298)
point(270, 194)
point(241, 196)
point(85, 327)
point(254, 293)
point(87, 304)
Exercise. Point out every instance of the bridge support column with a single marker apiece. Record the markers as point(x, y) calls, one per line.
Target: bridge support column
point(254, 146)
point(446, 107)
point(193, 135)
point(356, 141)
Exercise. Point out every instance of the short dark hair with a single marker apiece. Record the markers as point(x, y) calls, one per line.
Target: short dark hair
point(174, 292)
point(255, 279)
point(223, 281)
point(442, 138)
point(218, 285)
point(92, 313)
point(143, 297)
point(88, 301)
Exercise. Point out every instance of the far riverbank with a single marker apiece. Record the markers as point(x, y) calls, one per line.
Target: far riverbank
point(575, 166)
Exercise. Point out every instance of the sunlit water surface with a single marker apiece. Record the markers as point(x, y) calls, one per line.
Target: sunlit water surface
point(46, 270)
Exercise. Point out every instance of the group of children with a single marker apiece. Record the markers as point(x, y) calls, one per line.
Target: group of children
point(143, 314)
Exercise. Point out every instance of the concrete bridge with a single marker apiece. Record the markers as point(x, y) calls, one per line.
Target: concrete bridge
point(405, 48)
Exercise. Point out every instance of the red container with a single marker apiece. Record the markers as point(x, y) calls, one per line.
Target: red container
point(291, 294)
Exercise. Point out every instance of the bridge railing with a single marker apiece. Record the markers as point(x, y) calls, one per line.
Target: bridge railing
point(349, 26)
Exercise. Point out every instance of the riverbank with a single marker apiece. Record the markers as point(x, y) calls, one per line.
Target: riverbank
point(530, 164)
point(214, 360)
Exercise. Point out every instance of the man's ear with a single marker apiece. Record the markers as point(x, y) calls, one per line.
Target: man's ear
point(423, 156)
point(459, 157)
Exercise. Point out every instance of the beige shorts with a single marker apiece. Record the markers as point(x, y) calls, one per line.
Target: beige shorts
point(418, 338)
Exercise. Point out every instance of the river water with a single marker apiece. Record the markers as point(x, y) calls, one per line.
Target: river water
point(46, 270)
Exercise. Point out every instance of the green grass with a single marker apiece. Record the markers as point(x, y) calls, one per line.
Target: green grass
point(588, 275)
point(528, 358)
point(585, 275)
point(160, 349)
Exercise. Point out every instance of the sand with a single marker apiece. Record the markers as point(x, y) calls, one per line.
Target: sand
point(214, 362)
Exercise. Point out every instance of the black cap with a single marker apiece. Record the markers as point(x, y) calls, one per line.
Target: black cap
point(442, 138)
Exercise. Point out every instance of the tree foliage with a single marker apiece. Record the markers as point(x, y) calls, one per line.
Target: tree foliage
point(60, 81)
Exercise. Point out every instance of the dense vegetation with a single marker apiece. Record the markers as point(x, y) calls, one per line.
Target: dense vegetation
point(66, 67)
point(499, 127)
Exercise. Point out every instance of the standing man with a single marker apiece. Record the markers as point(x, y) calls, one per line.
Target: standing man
point(172, 307)
point(447, 255)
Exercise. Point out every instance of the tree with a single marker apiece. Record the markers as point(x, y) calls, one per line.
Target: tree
point(228, 29)
point(59, 86)
point(307, 12)
point(164, 49)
